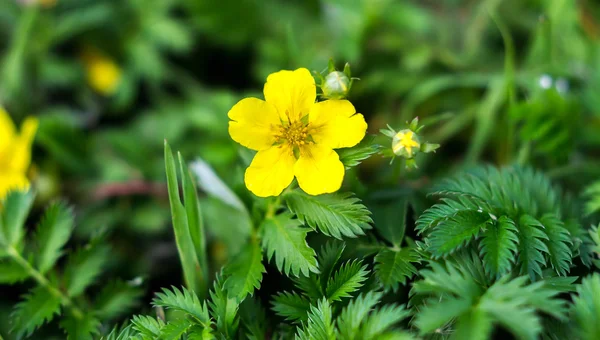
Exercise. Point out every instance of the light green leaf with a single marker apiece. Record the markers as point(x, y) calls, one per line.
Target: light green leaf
point(348, 279)
point(436, 313)
point(11, 272)
point(175, 329)
point(147, 325)
point(353, 315)
point(320, 323)
point(334, 215)
point(499, 246)
point(37, 308)
point(84, 266)
point(353, 156)
point(244, 273)
point(15, 209)
point(53, 232)
point(283, 237)
point(181, 226)
point(183, 300)
point(224, 309)
point(382, 320)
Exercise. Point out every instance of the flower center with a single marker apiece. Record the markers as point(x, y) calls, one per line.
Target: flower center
point(294, 134)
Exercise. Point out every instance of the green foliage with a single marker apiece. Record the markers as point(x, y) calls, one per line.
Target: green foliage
point(585, 310)
point(592, 193)
point(393, 267)
point(461, 306)
point(57, 291)
point(517, 207)
point(244, 272)
point(187, 224)
point(37, 308)
point(284, 238)
point(349, 278)
point(353, 156)
point(334, 215)
point(53, 232)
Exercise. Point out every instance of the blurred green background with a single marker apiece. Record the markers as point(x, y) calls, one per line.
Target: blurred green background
point(495, 81)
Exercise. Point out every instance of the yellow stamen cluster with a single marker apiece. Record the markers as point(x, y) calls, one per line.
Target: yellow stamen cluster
point(294, 134)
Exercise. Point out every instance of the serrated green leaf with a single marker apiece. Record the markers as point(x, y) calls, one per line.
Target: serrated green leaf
point(84, 266)
point(436, 314)
point(531, 246)
point(334, 215)
point(291, 306)
point(116, 299)
point(558, 242)
point(585, 310)
point(224, 309)
point(147, 325)
point(80, 328)
point(348, 279)
point(53, 232)
point(15, 209)
point(457, 231)
point(283, 237)
point(244, 273)
point(36, 308)
point(11, 272)
point(320, 323)
point(328, 257)
point(182, 300)
point(200, 333)
point(353, 156)
point(499, 246)
point(394, 267)
point(353, 315)
point(473, 325)
point(382, 320)
point(175, 329)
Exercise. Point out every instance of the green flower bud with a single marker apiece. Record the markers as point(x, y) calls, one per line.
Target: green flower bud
point(406, 143)
point(336, 85)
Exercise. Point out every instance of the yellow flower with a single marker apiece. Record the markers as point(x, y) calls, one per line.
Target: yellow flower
point(102, 73)
point(405, 140)
point(15, 153)
point(294, 135)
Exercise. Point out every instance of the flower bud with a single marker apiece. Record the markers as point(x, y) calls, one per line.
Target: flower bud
point(406, 144)
point(336, 85)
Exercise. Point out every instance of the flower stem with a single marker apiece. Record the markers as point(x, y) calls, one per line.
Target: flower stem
point(44, 282)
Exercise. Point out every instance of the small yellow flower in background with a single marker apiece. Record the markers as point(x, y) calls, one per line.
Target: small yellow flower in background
point(103, 74)
point(15, 153)
point(294, 135)
point(405, 139)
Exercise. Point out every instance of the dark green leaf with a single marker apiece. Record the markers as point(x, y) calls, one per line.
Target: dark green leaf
point(244, 273)
point(53, 232)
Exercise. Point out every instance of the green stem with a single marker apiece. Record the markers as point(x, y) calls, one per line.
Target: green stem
point(44, 282)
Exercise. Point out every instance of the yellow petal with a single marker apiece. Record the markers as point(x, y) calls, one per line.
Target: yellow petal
point(336, 124)
point(21, 147)
point(271, 171)
point(319, 170)
point(253, 123)
point(7, 132)
point(12, 181)
point(292, 93)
